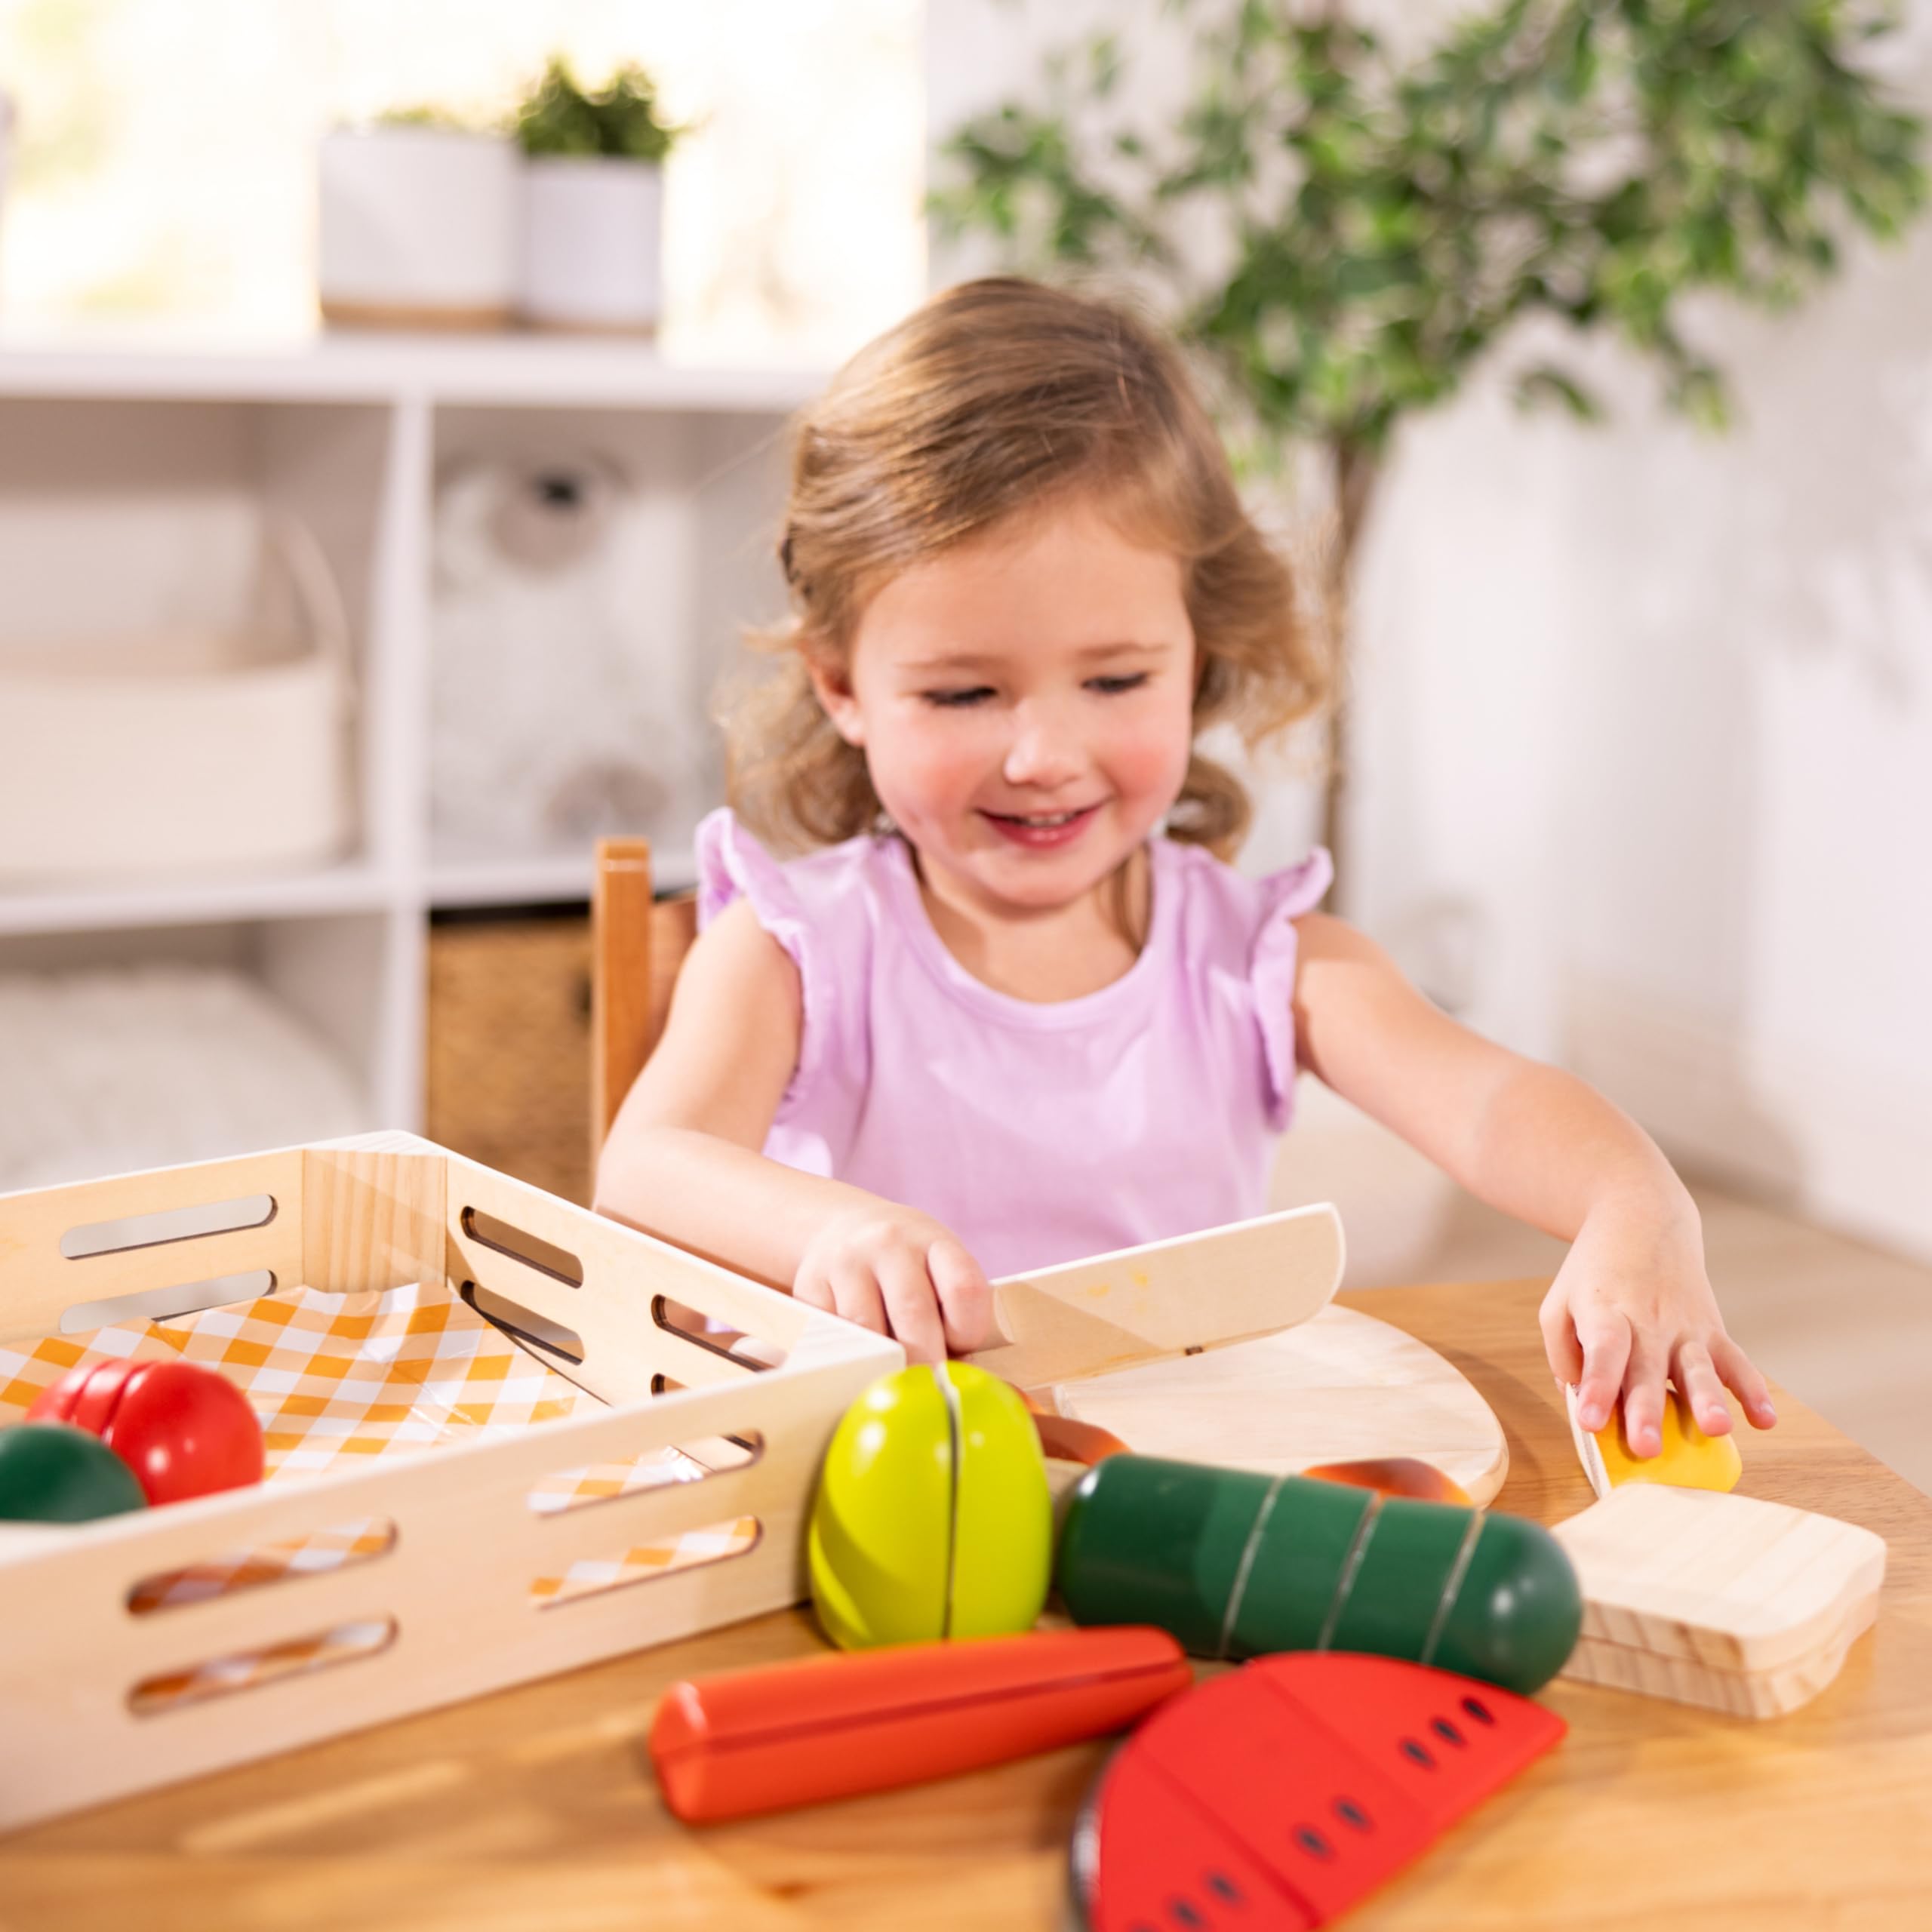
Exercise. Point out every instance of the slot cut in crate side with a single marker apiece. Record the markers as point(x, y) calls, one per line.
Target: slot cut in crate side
point(181, 1298)
point(172, 1225)
point(40, 1286)
point(252, 1670)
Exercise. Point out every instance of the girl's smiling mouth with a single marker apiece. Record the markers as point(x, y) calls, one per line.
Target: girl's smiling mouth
point(1041, 830)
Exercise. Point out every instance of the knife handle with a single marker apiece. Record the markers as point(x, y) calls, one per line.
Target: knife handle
point(835, 1726)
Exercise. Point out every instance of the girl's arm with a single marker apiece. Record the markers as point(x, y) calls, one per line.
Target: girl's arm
point(682, 1162)
point(1631, 1303)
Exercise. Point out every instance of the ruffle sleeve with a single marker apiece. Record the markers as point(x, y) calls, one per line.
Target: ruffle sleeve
point(1285, 896)
point(732, 865)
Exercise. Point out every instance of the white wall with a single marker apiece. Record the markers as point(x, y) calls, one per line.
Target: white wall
point(1644, 749)
point(1660, 705)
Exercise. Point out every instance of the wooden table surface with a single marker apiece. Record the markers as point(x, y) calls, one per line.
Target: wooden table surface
point(536, 1808)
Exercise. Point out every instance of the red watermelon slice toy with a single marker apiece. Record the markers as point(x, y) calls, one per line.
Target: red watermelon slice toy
point(1273, 1798)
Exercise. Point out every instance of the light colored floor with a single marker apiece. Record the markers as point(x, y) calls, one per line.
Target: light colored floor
point(1846, 1326)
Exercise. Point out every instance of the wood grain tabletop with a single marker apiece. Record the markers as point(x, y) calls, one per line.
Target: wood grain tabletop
point(535, 1809)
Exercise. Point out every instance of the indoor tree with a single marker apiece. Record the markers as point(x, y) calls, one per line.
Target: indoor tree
point(1345, 231)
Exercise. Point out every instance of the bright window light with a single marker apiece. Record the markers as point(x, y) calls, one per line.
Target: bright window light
point(164, 169)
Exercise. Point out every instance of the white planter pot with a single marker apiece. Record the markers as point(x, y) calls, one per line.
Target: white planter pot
point(592, 226)
point(418, 228)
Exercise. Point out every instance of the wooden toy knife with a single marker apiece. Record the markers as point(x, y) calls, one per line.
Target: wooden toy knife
point(1168, 1298)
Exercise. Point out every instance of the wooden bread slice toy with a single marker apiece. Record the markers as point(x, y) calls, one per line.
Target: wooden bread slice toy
point(1167, 1299)
point(1724, 1601)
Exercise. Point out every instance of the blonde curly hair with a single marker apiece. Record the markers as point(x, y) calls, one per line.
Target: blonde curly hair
point(991, 398)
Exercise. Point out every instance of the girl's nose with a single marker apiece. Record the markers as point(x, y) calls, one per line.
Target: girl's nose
point(1044, 752)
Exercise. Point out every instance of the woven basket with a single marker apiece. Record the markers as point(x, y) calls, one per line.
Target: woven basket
point(195, 722)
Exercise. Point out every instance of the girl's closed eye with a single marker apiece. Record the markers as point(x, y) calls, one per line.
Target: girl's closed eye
point(954, 701)
point(1131, 680)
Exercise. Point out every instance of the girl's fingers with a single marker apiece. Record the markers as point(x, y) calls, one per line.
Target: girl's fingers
point(1733, 1365)
point(1697, 1382)
point(1605, 1340)
point(1559, 1339)
point(965, 1297)
point(855, 1295)
point(1643, 1398)
point(909, 1305)
point(814, 1290)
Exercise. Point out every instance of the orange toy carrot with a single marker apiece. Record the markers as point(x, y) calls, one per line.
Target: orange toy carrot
point(834, 1727)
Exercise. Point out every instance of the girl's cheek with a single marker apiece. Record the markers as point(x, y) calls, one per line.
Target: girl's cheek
point(1151, 753)
point(926, 761)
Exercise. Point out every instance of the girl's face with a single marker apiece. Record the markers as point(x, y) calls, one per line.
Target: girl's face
point(1025, 703)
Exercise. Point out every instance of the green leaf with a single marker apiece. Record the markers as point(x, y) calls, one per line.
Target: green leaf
point(557, 116)
point(1546, 383)
point(1391, 216)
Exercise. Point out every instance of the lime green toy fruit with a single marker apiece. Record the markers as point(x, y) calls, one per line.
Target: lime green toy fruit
point(50, 1472)
point(933, 1517)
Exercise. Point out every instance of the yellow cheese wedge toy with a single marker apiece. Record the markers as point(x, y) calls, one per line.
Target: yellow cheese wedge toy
point(1689, 1459)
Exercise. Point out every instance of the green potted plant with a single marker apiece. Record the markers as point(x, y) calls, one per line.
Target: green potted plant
point(1376, 226)
point(418, 222)
point(593, 200)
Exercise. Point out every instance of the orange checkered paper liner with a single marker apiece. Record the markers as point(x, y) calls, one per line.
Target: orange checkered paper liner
point(334, 1376)
point(400, 1371)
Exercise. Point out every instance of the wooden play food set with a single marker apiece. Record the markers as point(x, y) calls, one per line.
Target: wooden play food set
point(446, 1563)
point(1275, 1797)
point(182, 1429)
point(932, 1517)
point(1727, 1601)
point(1236, 1565)
point(800, 1733)
point(1688, 1459)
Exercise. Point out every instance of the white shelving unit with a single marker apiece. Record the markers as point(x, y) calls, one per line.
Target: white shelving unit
point(351, 433)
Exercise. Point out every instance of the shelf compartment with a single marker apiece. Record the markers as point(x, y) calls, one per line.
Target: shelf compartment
point(201, 565)
point(595, 574)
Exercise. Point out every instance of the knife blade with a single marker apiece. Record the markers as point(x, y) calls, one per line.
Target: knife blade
point(1164, 1298)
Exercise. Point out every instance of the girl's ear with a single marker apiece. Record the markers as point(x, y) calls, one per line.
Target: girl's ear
point(832, 680)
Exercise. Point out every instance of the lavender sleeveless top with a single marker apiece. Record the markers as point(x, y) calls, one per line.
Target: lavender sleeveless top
point(1038, 1132)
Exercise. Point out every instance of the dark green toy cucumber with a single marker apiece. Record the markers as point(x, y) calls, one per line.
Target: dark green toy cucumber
point(1236, 1565)
point(50, 1472)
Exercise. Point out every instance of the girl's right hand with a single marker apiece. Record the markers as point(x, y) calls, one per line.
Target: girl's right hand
point(901, 1273)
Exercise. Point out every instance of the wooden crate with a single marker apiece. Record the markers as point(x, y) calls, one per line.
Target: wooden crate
point(453, 1587)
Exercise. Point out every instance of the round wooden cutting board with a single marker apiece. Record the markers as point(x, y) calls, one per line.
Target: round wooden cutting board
point(1340, 1387)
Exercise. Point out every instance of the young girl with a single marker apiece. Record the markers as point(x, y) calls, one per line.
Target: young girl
point(1019, 1008)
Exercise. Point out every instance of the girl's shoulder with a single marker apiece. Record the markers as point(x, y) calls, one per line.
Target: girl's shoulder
point(1235, 946)
point(732, 863)
point(1218, 907)
point(823, 910)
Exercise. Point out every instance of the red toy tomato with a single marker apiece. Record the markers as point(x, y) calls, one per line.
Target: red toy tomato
point(183, 1430)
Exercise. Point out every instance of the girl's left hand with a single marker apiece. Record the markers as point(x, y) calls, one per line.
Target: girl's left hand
point(1632, 1304)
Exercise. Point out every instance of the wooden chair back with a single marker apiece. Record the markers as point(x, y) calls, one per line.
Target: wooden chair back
point(638, 942)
